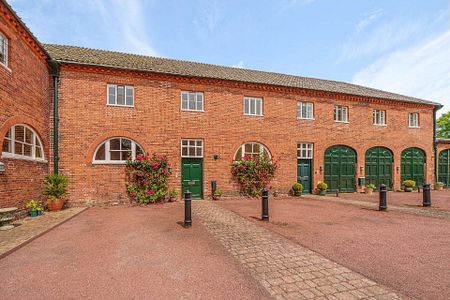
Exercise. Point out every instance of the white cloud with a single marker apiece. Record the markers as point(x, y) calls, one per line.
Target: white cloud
point(239, 65)
point(293, 4)
point(368, 19)
point(421, 71)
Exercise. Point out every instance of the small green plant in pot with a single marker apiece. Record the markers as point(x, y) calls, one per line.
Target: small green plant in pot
point(32, 208)
point(439, 186)
point(55, 187)
point(173, 194)
point(322, 187)
point(409, 185)
point(297, 189)
point(369, 188)
point(217, 194)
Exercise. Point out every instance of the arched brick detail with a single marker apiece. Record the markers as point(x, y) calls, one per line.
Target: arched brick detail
point(26, 121)
point(251, 141)
point(113, 134)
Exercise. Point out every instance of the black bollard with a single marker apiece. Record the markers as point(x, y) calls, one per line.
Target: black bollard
point(426, 195)
point(265, 205)
point(187, 209)
point(383, 194)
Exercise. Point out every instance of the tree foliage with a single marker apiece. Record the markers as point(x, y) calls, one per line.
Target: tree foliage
point(443, 126)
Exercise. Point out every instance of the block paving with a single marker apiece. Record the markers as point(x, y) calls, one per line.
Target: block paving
point(34, 227)
point(285, 269)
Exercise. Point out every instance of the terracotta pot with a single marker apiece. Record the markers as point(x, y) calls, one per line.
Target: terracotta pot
point(369, 191)
point(297, 193)
point(216, 197)
point(439, 187)
point(55, 205)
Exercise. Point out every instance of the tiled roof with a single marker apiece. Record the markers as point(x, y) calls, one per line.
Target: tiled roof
point(443, 141)
point(79, 55)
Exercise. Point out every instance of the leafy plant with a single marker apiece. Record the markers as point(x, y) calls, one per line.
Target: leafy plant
point(409, 183)
point(254, 173)
point(55, 186)
point(322, 186)
point(147, 178)
point(218, 193)
point(31, 205)
point(173, 193)
point(443, 126)
point(297, 187)
point(439, 183)
point(371, 186)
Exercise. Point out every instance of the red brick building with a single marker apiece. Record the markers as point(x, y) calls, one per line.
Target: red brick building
point(204, 116)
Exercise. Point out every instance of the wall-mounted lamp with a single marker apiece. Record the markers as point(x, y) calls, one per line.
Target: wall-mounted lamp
point(361, 169)
point(320, 169)
point(398, 169)
point(216, 156)
point(2, 167)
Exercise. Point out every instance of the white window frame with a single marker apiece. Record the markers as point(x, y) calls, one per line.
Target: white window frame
point(196, 144)
point(115, 86)
point(5, 50)
point(255, 101)
point(243, 153)
point(339, 110)
point(195, 100)
point(413, 120)
point(379, 117)
point(107, 159)
point(36, 142)
point(305, 151)
point(305, 110)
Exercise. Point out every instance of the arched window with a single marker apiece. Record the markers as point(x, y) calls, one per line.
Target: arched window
point(22, 142)
point(116, 151)
point(251, 149)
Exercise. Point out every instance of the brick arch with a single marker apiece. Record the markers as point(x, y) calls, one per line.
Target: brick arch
point(17, 120)
point(113, 134)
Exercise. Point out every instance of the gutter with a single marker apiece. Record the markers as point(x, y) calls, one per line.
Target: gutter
point(55, 67)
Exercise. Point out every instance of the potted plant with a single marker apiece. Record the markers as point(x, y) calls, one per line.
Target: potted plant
point(55, 187)
point(217, 194)
point(297, 189)
point(369, 188)
point(173, 194)
point(322, 187)
point(439, 186)
point(409, 185)
point(32, 208)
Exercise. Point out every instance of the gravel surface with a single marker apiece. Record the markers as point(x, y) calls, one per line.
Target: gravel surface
point(126, 253)
point(410, 254)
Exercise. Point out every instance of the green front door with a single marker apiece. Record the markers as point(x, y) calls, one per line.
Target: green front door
point(340, 169)
point(379, 167)
point(192, 176)
point(304, 174)
point(444, 167)
point(413, 165)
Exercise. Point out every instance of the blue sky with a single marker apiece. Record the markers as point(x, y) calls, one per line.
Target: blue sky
point(401, 46)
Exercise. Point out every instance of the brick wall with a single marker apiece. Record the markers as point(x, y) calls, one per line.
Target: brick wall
point(158, 124)
point(25, 99)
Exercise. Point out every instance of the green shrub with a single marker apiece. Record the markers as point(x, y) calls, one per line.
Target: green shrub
point(409, 183)
point(297, 187)
point(218, 193)
point(322, 186)
point(371, 186)
point(439, 183)
point(55, 186)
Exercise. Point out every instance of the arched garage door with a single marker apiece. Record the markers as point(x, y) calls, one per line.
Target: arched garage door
point(444, 167)
point(379, 167)
point(413, 165)
point(340, 167)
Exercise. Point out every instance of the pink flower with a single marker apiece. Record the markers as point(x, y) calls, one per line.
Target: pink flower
point(139, 157)
point(151, 192)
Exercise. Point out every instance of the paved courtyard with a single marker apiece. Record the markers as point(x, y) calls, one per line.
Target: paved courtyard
point(126, 253)
point(408, 253)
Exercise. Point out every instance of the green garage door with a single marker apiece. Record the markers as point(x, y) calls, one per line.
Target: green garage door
point(444, 167)
point(413, 165)
point(340, 169)
point(379, 167)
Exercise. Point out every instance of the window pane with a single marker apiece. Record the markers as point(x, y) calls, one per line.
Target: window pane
point(100, 155)
point(114, 144)
point(192, 151)
point(18, 148)
point(184, 151)
point(130, 96)
point(28, 136)
point(3, 50)
point(191, 101)
point(126, 144)
point(112, 94)
point(199, 152)
point(19, 132)
point(27, 150)
point(252, 106)
point(126, 155)
point(6, 146)
point(248, 148)
point(115, 155)
point(238, 155)
point(184, 142)
point(258, 107)
point(256, 148)
point(139, 150)
point(199, 101)
point(120, 95)
point(246, 106)
point(38, 152)
point(184, 100)
point(192, 143)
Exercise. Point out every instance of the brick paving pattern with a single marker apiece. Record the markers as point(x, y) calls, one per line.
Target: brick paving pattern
point(286, 269)
point(33, 227)
point(421, 211)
